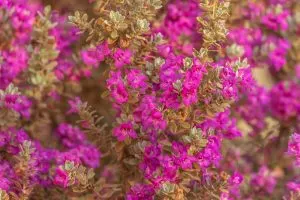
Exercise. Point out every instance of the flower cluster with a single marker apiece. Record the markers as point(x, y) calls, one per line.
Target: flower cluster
point(150, 99)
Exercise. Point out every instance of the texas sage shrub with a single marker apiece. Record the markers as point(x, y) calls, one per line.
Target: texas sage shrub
point(150, 99)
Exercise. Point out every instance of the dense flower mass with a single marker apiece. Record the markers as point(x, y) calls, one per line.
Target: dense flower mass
point(150, 99)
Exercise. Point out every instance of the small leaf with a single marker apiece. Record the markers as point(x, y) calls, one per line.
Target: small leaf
point(90, 174)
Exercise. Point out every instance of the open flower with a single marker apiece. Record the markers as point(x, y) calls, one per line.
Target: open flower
point(124, 131)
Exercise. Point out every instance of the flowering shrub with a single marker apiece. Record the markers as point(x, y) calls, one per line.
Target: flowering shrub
point(149, 99)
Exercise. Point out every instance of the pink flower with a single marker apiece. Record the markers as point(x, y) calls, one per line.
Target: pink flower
point(263, 180)
point(180, 155)
point(20, 104)
point(225, 196)
point(136, 79)
point(236, 179)
point(74, 105)
point(61, 178)
point(4, 183)
point(117, 87)
point(294, 186)
point(124, 130)
point(102, 51)
point(141, 191)
point(119, 94)
point(94, 56)
point(122, 57)
point(89, 155)
point(89, 57)
point(276, 22)
point(149, 115)
point(191, 83)
point(71, 136)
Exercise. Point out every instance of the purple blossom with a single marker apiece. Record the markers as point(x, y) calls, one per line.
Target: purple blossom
point(94, 56)
point(277, 55)
point(117, 87)
point(141, 191)
point(124, 131)
point(191, 83)
point(61, 178)
point(122, 57)
point(149, 115)
point(70, 136)
point(255, 107)
point(222, 124)
point(74, 105)
point(211, 154)
point(14, 62)
point(263, 180)
point(286, 105)
point(276, 21)
point(236, 179)
point(6, 175)
point(136, 79)
point(293, 186)
point(180, 156)
point(89, 155)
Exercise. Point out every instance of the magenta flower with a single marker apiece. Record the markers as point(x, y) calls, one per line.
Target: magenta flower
point(136, 79)
point(94, 56)
point(149, 115)
point(180, 156)
point(4, 183)
point(276, 22)
point(89, 57)
point(236, 179)
point(124, 131)
point(277, 56)
point(117, 87)
point(61, 178)
point(69, 135)
point(286, 105)
point(74, 105)
point(141, 191)
point(89, 155)
point(211, 154)
point(7, 175)
point(18, 103)
point(294, 186)
point(191, 83)
point(4, 139)
point(263, 180)
point(102, 51)
point(119, 94)
point(122, 57)
point(223, 125)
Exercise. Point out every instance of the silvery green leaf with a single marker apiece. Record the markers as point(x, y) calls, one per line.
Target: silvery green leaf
point(114, 34)
point(168, 187)
point(158, 38)
point(143, 25)
point(69, 165)
point(90, 173)
point(158, 62)
point(157, 4)
point(177, 85)
point(116, 17)
point(187, 62)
